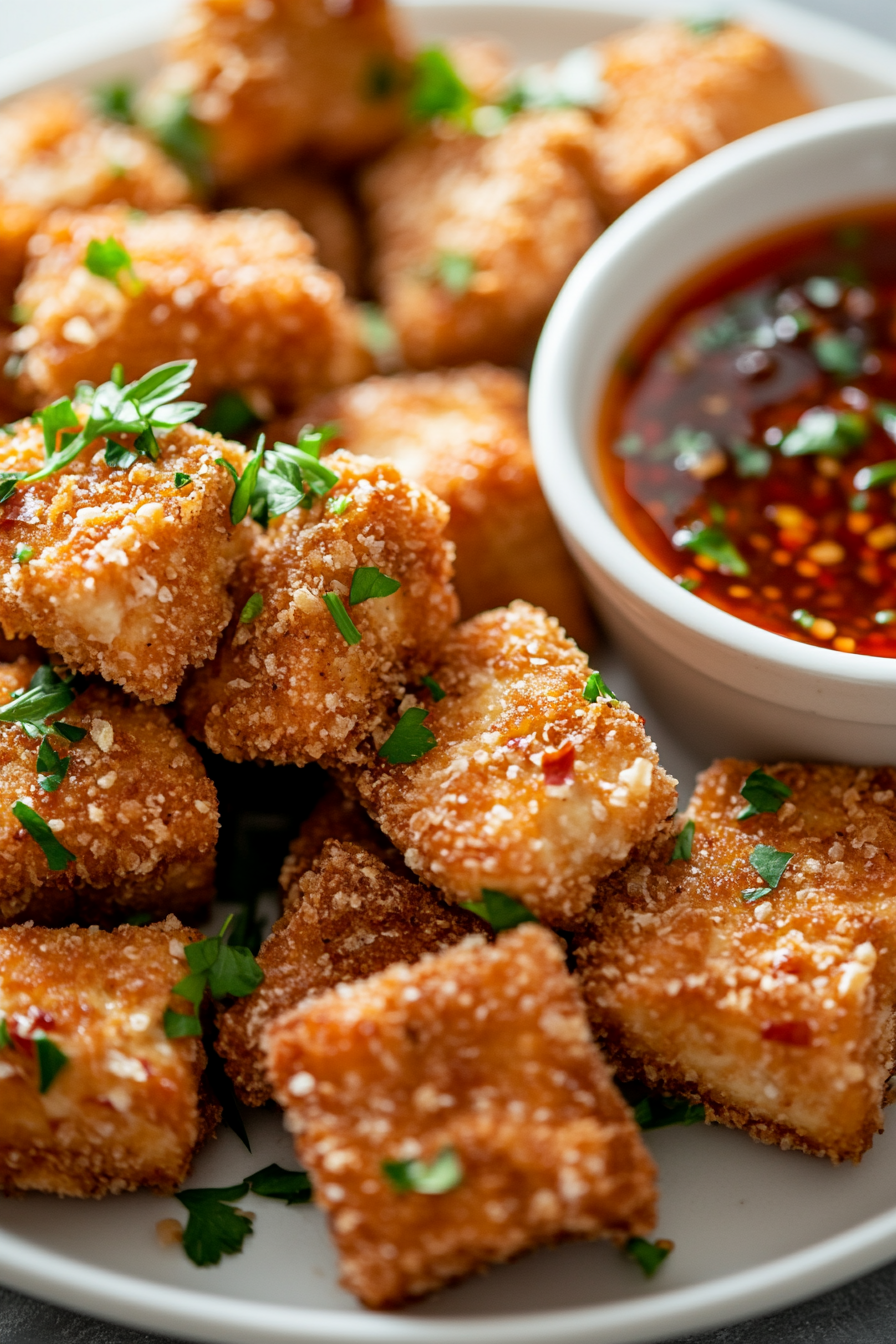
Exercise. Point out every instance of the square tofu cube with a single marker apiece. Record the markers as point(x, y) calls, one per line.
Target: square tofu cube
point(346, 918)
point(776, 1010)
point(481, 1057)
point(530, 789)
point(94, 1098)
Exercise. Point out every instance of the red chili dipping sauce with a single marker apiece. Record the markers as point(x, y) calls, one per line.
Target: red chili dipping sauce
point(748, 442)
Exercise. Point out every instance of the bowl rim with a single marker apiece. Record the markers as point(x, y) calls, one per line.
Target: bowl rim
point(563, 410)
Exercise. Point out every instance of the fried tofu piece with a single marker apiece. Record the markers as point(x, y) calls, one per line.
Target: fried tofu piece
point(127, 1108)
point(777, 1014)
point(463, 434)
point(54, 151)
point(347, 917)
point(484, 1051)
point(676, 92)
point(267, 82)
point(531, 790)
point(336, 817)
point(239, 291)
point(287, 687)
point(322, 209)
point(128, 573)
point(473, 236)
point(136, 809)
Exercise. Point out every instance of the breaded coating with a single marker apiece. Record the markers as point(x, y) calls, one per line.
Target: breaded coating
point(272, 80)
point(473, 236)
point(335, 817)
point(349, 917)
point(676, 92)
point(136, 808)
point(128, 573)
point(287, 686)
point(320, 206)
point(463, 434)
point(484, 1051)
point(531, 790)
point(239, 291)
point(54, 151)
point(127, 1108)
point(777, 1014)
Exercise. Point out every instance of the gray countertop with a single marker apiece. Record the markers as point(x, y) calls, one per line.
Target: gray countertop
point(863, 1312)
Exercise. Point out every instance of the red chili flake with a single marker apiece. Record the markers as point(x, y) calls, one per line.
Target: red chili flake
point(787, 1033)
point(558, 765)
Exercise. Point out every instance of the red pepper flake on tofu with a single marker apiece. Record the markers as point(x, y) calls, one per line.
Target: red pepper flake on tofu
point(456, 1113)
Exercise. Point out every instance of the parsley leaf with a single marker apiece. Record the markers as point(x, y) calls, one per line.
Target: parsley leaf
point(763, 793)
point(714, 543)
point(224, 968)
point(5, 1038)
point(658, 1112)
point(454, 272)
point(502, 912)
point(213, 1227)
point(244, 485)
point(50, 1060)
point(116, 455)
point(821, 430)
point(684, 842)
point(180, 1024)
point(835, 352)
point(275, 1182)
point(438, 90)
point(51, 767)
point(22, 554)
point(367, 582)
point(108, 259)
point(648, 1254)
point(170, 120)
point(705, 27)
point(47, 694)
point(115, 101)
point(8, 484)
point(282, 478)
point(141, 918)
point(57, 856)
point(434, 688)
point(181, 479)
point(869, 478)
point(597, 689)
point(59, 415)
point(769, 864)
point(230, 415)
point(344, 623)
point(409, 739)
point(252, 609)
point(437, 1177)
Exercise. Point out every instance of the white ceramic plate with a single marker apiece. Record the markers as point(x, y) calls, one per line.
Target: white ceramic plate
point(754, 1228)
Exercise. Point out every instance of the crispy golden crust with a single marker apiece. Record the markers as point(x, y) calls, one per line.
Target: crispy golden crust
point(482, 1049)
point(135, 808)
point(284, 77)
point(129, 575)
point(287, 687)
point(335, 817)
point(517, 204)
point(778, 1015)
point(54, 152)
point(320, 206)
point(463, 434)
point(127, 1109)
point(349, 918)
point(239, 291)
point(674, 95)
point(531, 790)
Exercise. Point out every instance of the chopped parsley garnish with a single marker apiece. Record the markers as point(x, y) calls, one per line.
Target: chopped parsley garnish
point(8, 481)
point(821, 430)
point(252, 609)
point(705, 27)
point(378, 335)
point(573, 81)
point(689, 585)
point(53, 420)
point(279, 479)
point(141, 918)
point(116, 455)
point(803, 618)
point(648, 1254)
point(183, 138)
point(223, 968)
point(434, 688)
point(368, 581)
point(47, 694)
point(115, 101)
point(597, 689)
point(658, 1112)
point(454, 272)
point(230, 415)
point(275, 1182)
point(22, 554)
point(502, 912)
point(763, 793)
point(823, 291)
point(213, 1227)
point(684, 842)
point(769, 864)
point(108, 260)
point(750, 462)
point(382, 79)
point(138, 408)
point(715, 544)
point(870, 478)
point(51, 767)
point(5, 1038)
point(409, 740)
point(438, 90)
point(437, 1177)
point(50, 1060)
point(57, 856)
point(343, 622)
point(839, 354)
point(181, 479)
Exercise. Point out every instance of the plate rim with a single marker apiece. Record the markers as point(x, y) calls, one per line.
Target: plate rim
point(761, 1289)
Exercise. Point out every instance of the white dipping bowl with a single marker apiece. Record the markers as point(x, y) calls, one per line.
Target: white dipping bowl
point(725, 686)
